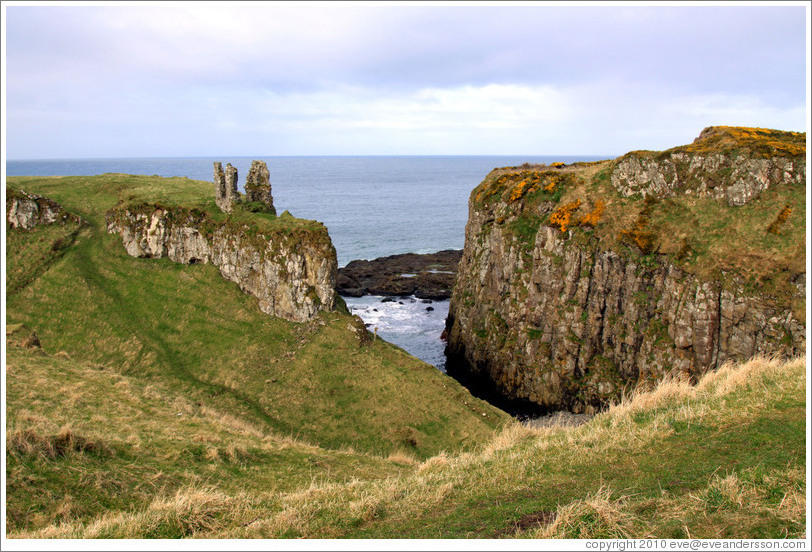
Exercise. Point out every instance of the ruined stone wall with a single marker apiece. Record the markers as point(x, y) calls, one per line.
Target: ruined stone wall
point(257, 187)
point(225, 187)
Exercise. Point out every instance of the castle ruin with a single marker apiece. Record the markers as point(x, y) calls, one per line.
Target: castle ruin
point(257, 187)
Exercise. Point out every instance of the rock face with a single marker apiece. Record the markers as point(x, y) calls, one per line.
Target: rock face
point(706, 170)
point(292, 274)
point(567, 323)
point(719, 176)
point(426, 276)
point(258, 186)
point(25, 211)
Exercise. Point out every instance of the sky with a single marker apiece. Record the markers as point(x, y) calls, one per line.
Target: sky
point(243, 79)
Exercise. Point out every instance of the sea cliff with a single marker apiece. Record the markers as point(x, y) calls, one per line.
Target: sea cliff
point(288, 265)
point(578, 282)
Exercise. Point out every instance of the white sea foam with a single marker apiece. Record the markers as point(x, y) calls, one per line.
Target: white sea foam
point(409, 323)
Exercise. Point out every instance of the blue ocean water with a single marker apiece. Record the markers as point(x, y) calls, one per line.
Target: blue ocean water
point(373, 206)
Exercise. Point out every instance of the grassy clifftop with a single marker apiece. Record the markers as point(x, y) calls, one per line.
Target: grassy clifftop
point(747, 141)
point(762, 243)
point(185, 328)
point(163, 404)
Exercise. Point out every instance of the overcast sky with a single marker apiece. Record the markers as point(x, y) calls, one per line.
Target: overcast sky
point(235, 79)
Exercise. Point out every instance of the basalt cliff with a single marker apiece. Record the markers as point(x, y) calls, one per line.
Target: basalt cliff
point(578, 282)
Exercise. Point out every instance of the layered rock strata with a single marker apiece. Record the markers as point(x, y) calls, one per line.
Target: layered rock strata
point(707, 169)
point(557, 322)
point(291, 273)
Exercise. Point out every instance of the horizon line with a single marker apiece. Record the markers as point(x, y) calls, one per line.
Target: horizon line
point(27, 159)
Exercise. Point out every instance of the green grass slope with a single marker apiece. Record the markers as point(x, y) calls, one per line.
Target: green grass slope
point(722, 459)
point(187, 329)
point(84, 440)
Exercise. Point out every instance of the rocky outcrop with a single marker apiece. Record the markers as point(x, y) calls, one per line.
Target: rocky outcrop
point(558, 320)
point(290, 270)
point(721, 163)
point(26, 211)
point(576, 325)
point(20, 335)
point(220, 187)
point(225, 187)
point(426, 276)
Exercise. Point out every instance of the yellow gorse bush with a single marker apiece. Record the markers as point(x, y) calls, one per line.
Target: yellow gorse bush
point(595, 215)
point(639, 235)
point(562, 217)
point(521, 189)
point(756, 139)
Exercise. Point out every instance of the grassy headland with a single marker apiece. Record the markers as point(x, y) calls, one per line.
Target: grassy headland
point(761, 243)
point(185, 327)
point(164, 404)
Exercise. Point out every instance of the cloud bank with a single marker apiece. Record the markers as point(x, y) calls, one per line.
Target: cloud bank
point(344, 79)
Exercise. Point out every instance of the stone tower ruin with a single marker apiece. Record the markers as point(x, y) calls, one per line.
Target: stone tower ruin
point(257, 187)
point(225, 186)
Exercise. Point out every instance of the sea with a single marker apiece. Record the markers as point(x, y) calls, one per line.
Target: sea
point(373, 206)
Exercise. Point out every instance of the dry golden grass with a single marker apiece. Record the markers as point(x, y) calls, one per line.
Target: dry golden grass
point(598, 516)
point(731, 501)
point(402, 457)
point(31, 442)
point(191, 512)
point(514, 433)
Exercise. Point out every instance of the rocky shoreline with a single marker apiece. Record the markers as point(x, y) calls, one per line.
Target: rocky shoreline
point(425, 276)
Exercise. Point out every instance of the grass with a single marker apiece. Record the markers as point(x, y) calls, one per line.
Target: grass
point(130, 345)
point(184, 324)
point(163, 404)
point(751, 142)
point(722, 459)
point(43, 247)
point(84, 440)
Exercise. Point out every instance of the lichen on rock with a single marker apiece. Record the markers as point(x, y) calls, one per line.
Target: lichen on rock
point(258, 195)
point(258, 186)
point(731, 163)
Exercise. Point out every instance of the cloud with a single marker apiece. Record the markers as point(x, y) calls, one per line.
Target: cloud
point(291, 78)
